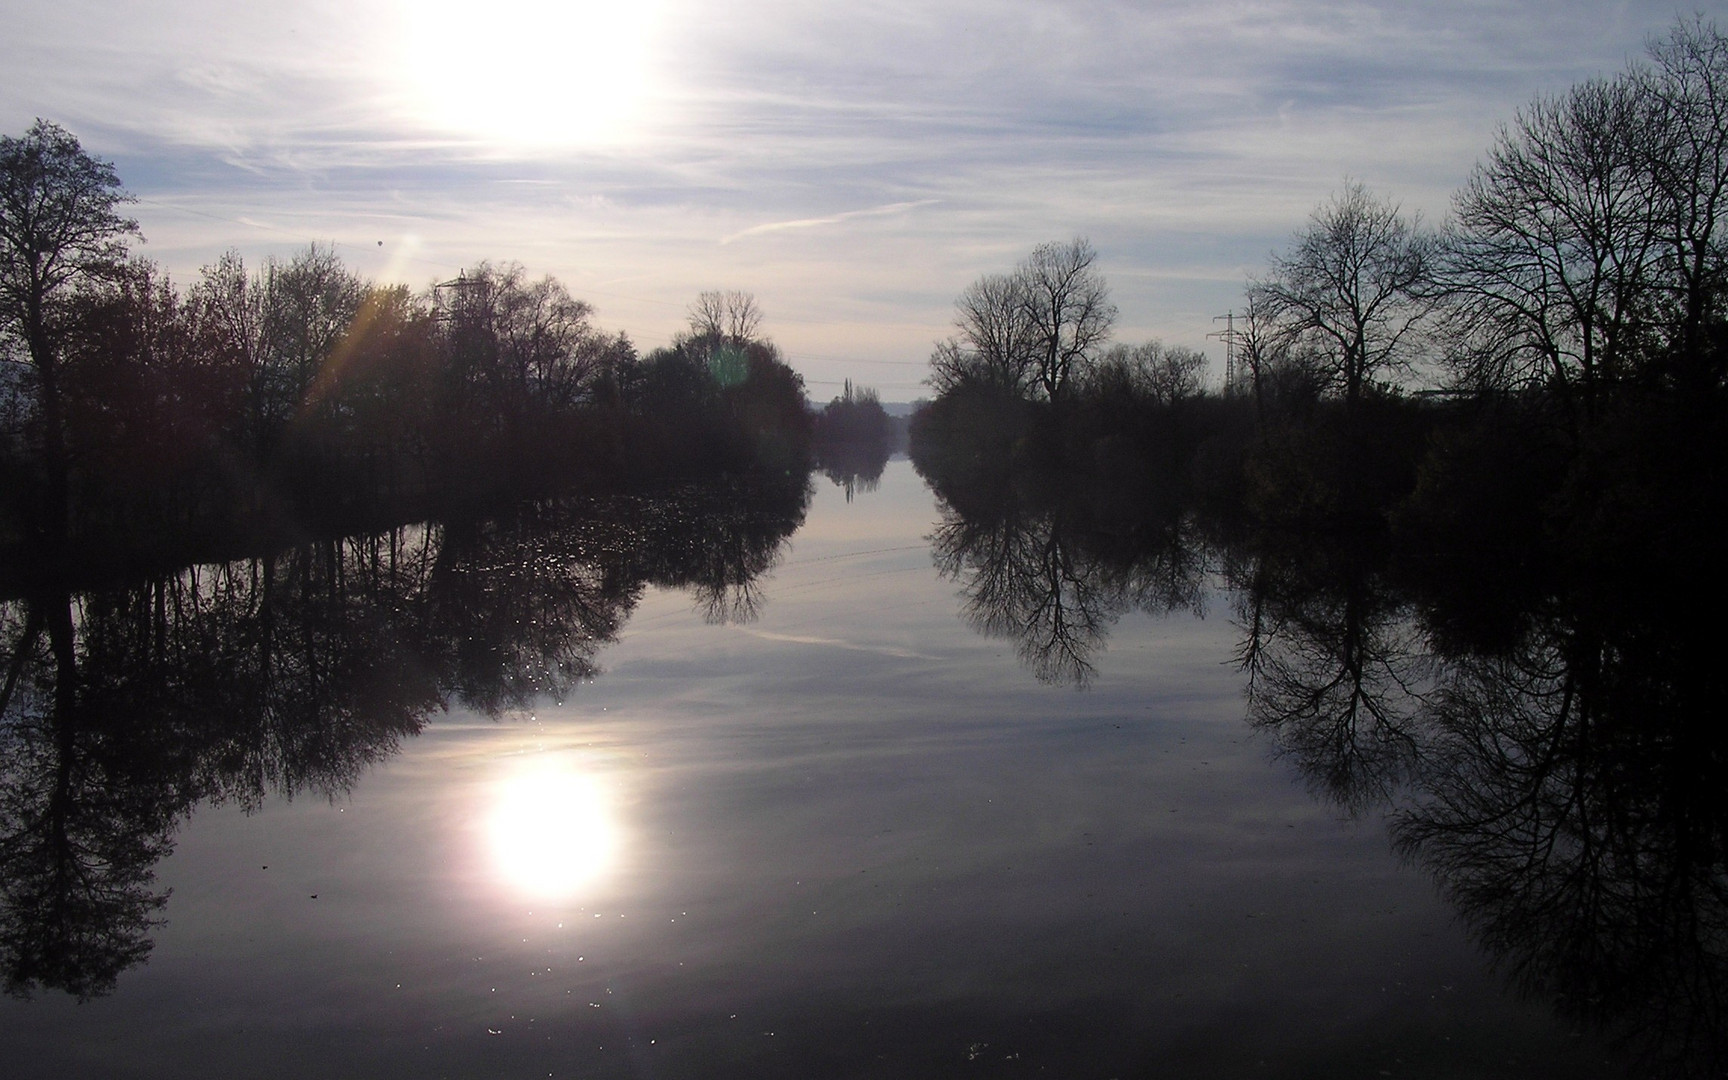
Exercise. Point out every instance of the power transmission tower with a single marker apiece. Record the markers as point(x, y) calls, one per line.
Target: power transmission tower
point(460, 287)
point(1229, 337)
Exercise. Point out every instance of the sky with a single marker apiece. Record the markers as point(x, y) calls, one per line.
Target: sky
point(854, 166)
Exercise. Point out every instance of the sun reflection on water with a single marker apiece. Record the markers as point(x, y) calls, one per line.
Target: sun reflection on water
point(551, 829)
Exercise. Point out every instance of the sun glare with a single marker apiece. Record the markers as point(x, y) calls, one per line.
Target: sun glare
point(544, 73)
point(551, 830)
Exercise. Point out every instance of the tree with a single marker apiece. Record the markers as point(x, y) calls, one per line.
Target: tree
point(1587, 256)
point(1549, 264)
point(526, 347)
point(232, 302)
point(1685, 91)
point(145, 385)
point(998, 348)
point(59, 224)
point(1068, 307)
point(1353, 289)
point(731, 316)
point(310, 304)
point(1028, 333)
point(1152, 372)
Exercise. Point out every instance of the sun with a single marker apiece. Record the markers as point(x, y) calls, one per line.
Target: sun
point(527, 73)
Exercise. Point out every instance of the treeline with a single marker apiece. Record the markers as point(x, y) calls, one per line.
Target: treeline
point(854, 436)
point(140, 418)
point(1553, 355)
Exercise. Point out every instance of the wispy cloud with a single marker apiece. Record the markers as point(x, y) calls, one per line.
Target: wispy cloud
point(832, 219)
point(836, 643)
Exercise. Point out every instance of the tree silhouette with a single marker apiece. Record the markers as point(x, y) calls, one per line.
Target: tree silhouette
point(59, 225)
point(1352, 291)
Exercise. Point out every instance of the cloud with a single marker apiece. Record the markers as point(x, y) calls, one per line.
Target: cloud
point(836, 643)
point(1187, 138)
point(832, 219)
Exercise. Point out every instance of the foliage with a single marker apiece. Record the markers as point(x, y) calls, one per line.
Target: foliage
point(296, 395)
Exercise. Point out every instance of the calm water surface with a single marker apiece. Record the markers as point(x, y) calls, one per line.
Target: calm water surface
point(847, 836)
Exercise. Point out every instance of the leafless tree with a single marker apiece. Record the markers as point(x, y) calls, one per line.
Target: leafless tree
point(1068, 307)
point(1552, 256)
point(1588, 249)
point(730, 315)
point(992, 315)
point(1151, 371)
point(1685, 94)
point(1352, 290)
point(281, 326)
point(309, 305)
point(524, 343)
point(232, 301)
point(1029, 332)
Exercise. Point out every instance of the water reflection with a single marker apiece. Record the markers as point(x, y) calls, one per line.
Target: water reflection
point(1044, 572)
point(1563, 780)
point(551, 828)
point(122, 710)
point(855, 467)
point(1571, 805)
point(1336, 663)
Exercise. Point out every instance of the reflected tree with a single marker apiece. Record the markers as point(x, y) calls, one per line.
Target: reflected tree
point(1570, 804)
point(1024, 581)
point(1336, 669)
point(122, 710)
point(82, 820)
point(1564, 788)
point(851, 439)
point(1054, 581)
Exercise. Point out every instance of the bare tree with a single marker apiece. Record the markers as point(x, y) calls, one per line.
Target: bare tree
point(1029, 332)
point(1685, 94)
point(232, 302)
point(1149, 371)
point(1067, 305)
point(1550, 263)
point(729, 315)
point(1260, 351)
point(310, 303)
point(1353, 289)
point(992, 314)
point(1588, 250)
point(524, 344)
point(995, 345)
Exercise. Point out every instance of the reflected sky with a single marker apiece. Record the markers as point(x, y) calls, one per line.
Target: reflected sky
point(850, 837)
